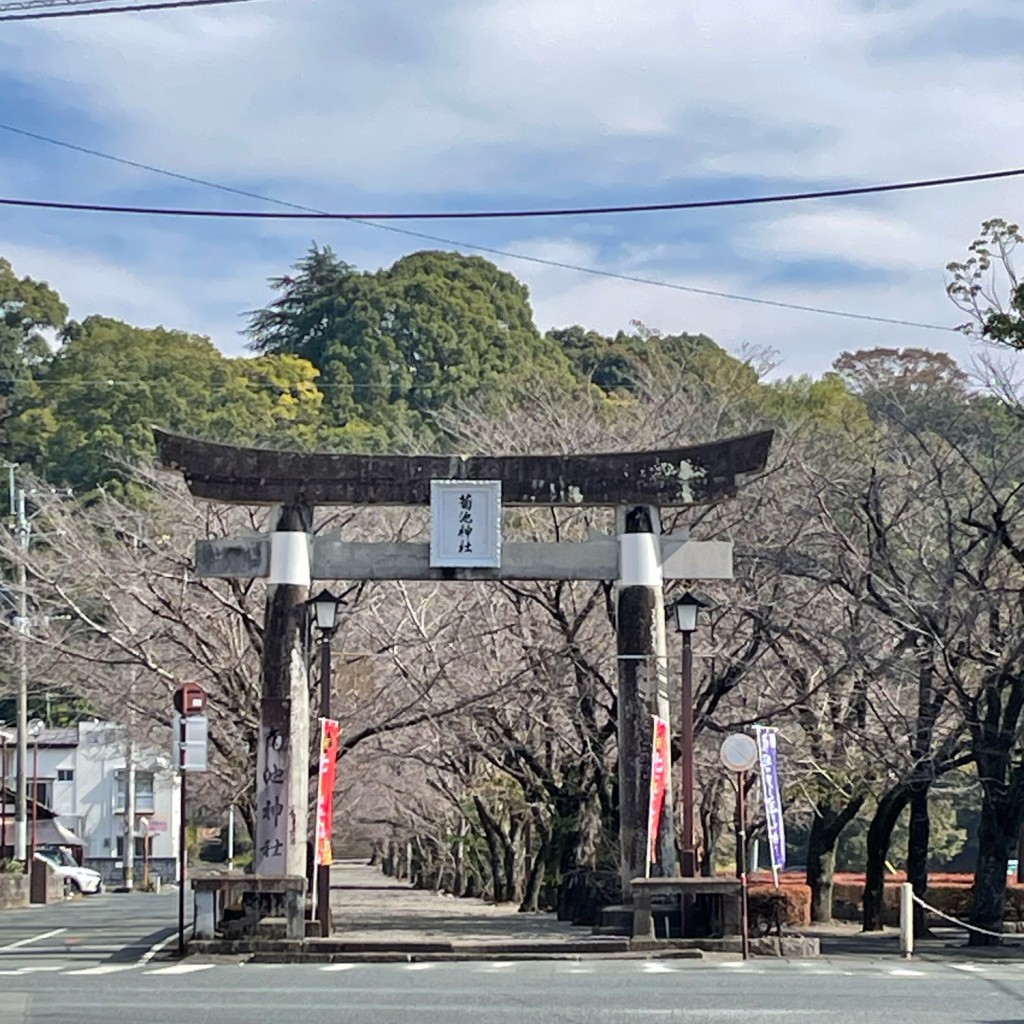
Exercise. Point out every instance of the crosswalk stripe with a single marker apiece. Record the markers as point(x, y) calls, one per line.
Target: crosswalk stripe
point(182, 969)
point(653, 967)
point(101, 969)
point(337, 967)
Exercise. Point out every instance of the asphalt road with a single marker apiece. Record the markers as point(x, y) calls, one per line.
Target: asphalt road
point(109, 958)
point(89, 931)
point(851, 991)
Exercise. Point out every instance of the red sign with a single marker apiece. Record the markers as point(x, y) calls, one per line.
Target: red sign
point(189, 699)
point(659, 766)
point(330, 736)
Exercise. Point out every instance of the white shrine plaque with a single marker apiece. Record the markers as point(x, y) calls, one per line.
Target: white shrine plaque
point(465, 524)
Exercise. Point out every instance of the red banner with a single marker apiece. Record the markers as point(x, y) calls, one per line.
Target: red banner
point(659, 771)
point(330, 735)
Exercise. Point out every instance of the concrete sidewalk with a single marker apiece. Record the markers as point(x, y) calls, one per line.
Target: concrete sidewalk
point(845, 938)
point(380, 918)
point(370, 910)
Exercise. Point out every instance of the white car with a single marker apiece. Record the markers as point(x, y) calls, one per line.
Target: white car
point(76, 878)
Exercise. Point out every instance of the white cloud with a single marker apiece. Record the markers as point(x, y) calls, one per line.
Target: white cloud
point(396, 105)
point(319, 93)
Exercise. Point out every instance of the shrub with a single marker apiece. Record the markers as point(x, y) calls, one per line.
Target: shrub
point(793, 901)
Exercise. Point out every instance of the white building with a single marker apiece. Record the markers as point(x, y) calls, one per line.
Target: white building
point(80, 773)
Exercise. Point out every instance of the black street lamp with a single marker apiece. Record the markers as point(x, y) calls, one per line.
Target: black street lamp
point(324, 611)
point(687, 610)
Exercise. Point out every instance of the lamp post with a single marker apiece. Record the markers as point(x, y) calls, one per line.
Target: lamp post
point(35, 727)
point(324, 608)
point(686, 611)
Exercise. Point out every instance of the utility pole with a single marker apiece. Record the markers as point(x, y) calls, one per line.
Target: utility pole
point(21, 526)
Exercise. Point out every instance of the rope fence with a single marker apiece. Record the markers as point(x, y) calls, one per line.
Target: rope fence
point(953, 920)
point(907, 900)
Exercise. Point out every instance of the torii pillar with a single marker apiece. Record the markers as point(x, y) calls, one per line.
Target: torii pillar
point(637, 484)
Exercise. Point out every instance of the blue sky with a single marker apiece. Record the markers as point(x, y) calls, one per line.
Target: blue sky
point(456, 104)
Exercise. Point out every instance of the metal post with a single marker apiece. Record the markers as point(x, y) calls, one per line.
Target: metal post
point(182, 844)
point(907, 920)
point(323, 871)
point(686, 734)
point(35, 796)
point(231, 837)
point(128, 860)
point(3, 795)
point(741, 860)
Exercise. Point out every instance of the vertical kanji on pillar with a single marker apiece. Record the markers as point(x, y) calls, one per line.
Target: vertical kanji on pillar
point(283, 757)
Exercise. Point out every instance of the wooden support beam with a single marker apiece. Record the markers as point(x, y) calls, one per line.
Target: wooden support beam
point(334, 559)
point(695, 475)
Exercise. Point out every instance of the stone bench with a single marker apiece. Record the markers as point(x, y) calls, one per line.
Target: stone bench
point(719, 897)
point(259, 901)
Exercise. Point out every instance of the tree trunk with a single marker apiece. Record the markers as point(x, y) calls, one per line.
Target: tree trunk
point(918, 841)
point(494, 850)
point(531, 899)
point(514, 853)
point(890, 806)
point(997, 835)
point(829, 822)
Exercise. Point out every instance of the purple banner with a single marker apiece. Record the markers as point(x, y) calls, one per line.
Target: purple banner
point(768, 755)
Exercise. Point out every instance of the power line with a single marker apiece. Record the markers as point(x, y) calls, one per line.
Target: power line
point(31, 5)
point(578, 211)
point(489, 250)
point(37, 15)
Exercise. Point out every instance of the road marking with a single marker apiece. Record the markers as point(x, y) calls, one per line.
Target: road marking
point(418, 967)
point(34, 938)
point(905, 972)
point(653, 967)
point(338, 967)
point(155, 948)
point(973, 968)
point(497, 965)
point(102, 969)
point(182, 969)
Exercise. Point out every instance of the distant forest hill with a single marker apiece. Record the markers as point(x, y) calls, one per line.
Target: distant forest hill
point(343, 360)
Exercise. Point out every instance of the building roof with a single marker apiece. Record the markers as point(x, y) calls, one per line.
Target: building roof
point(64, 737)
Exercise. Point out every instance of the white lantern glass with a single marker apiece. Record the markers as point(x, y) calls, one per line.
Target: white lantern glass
point(325, 610)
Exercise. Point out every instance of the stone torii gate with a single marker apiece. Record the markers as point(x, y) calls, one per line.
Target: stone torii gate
point(639, 558)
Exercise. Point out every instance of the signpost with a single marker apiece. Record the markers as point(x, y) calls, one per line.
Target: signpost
point(739, 754)
point(189, 702)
